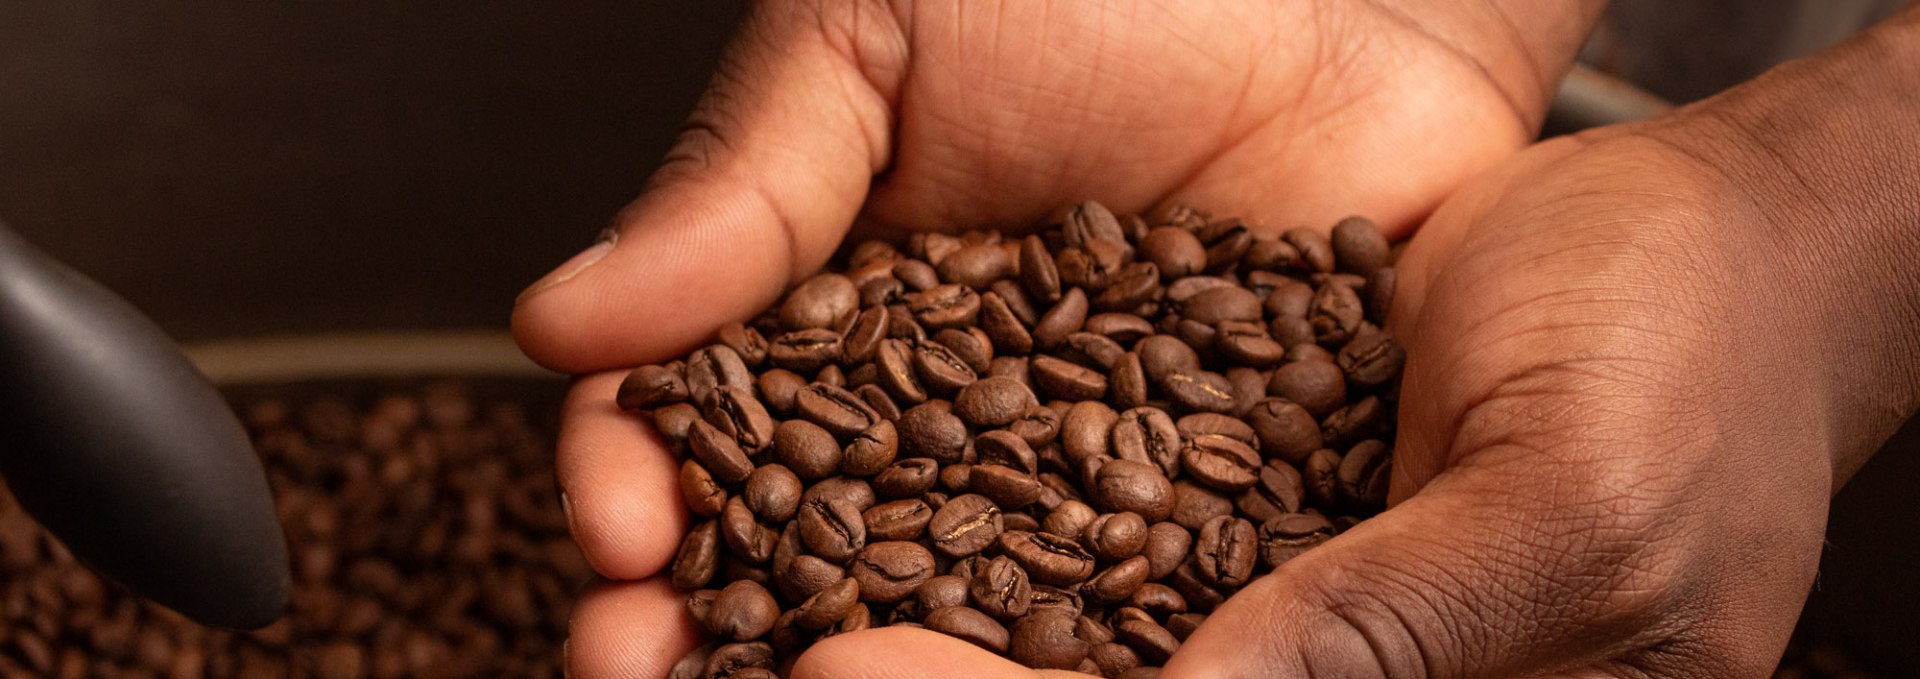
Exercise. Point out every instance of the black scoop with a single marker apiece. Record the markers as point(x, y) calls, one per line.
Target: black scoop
point(116, 444)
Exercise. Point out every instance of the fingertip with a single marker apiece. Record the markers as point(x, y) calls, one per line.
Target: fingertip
point(620, 483)
point(628, 629)
point(902, 653)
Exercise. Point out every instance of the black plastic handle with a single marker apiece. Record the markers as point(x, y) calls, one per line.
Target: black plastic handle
point(120, 447)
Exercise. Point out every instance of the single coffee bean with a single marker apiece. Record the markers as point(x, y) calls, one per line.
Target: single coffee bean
point(773, 493)
point(1286, 430)
point(649, 387)
point(1225, 552)
point(965, 525)
point(890, 571)
point(931, 430)
point(675, 421)
point(806, 449)
point(832, 528)
point(1113, 658)
point(1227, 241)
point(1316, 251)
point(1200, 595)
point(1360, 420)
point(1359, 247)
point(1036, 426)
point(1199, 391)
point(1224, 303)
point(1133, 486)
point(1284, 537)
point(956, 478)
point(969, 625)
point(941, 591)
point(993, 402)
point(698, 558)
point(1194, 505)
point(1221, 463)
point(819, 302)
point(917, 274)
point(975, 266)
point(737, 413)
point(1320, 474)
point(1095, 352)
point(1122, 328)
point(746, 343)
point(1115, 536)
point(1085, 430)
point(893, 363)
point(1090, 221)
point(1127, 386)
point(1182, 625)
point(730, 659)
point(897, 520)
point(1003, 326)
point(1038, 274)
point(1118, 582)
point(1183, 289)
point(1268, 255)
point(1163, 355)
point(1048, 559)
point(1167, 545)
point(747, 539)
point(907, 478)
point(835, 409)
point(808, 575)
point(1001, 589)
point(1045, 640)
point(1292, 331)
point(1280, 490)
point(1372, 358)
point(1159, 601)
point(1068, 519)
point(828, 606)
point(871, 451)
point(1306, 351)
point(1092, 631)
point(1336, 314)
point(1378, 294)
point(945, 306)
point(1132, 285)
point(1363, 475)
point(1247, 343)
point(858, 618)
point(703, 495)
point(742, 611)
point(863, 339)
point(1050, 598)
point(1068, 381)
point(1005, 448)
point(711, 368)
point(1148, 434)
point(719, 453)
point(1317, 387)
point(1020, 521)
point(1010, 488)
point(940, 369)
point(1175, 251)
point(805, 350)
point(778, 386)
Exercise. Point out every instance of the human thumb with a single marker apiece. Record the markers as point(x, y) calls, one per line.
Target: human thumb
point(759, 189)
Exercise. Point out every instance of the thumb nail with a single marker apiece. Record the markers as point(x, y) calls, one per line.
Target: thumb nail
point(574, 265)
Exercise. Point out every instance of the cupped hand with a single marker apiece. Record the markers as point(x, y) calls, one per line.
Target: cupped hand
point(916, 116)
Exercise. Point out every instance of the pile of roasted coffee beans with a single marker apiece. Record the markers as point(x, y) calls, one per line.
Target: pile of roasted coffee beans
point(1066, 448)
point(426, 536)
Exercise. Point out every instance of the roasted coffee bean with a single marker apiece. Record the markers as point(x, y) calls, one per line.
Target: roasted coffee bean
point(893, 363)
point(1200, 595)
point(1115, 536)
point(1131, 286)
point(832, 528)
point(1021, 521)
point(1292, 332)
point(804, 350)
point(1127, 386)
point(907, 478)
point(890, 571)
point(1378, 294)
point(1372, 358)
point(1362, 419)
point(1225, 551)
point(1359, 247)
point(719, 453)
point(969, 625)
point(1001, 589)
point(897, 520)
point(1122, 328)
point(1159, 601)
point(649, 387)
point(1045, 640)
point(819, 302)
point(1196, 424)
point(777, 386)
point(940, 369)
point(1336, 313)
point(956, 478)
point(1247, 343)
point(1316, 251)
point(1085, 430)
point(1307, 351)
point(772, 492)
point(1363, 475)
point(1199, 391)
point(863, 339)
point(1221, 463)
point(1320, 474)
point(1224, 303)
point(1148, 434)
point(941, 591)
point(1153, 642)
point(1007, 449)
point(1133, 486)
point(975, 266)
point(730, 660)
point(1163, 355)
point(675, 421)
point(965, 525)
point(806, 449)
point(1167, 545)
point(806, 575)
point(711, 368)
point(742, 611)
point(698, 558)
point(1003, 326)
point(1048, 559)
point(703, 495)
point(835, 409)
point(1068, 519)
point(1175, 251)
point(737, 413)
point(1090, 221)
point(1118, 582)
point(1316, 386)
point(1113, 659)
point(1280, 490)
point(993, 402)
point(1194, 505)
point(931, 430)
point(1093, 351)
point(945, 306)
point(1286, 430)
point(1036, 426)
point(829, 605)
point(1068, 381)
point(1182, 625)
point(917, 274)
point(871, 451)
point(1289, 535)
point(1011, 367)
point(1038, 274)
point(747, 343)
point(1008, 487)
point(747, 539)
point(1063, 319)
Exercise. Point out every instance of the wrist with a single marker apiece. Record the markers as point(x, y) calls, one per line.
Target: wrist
point(1826, 153)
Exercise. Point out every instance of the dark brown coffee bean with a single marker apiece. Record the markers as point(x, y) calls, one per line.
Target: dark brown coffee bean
point(1068, 518)
point(1190, 426)
point(1222, 463)
point(1194, 505)
point(1199, 391)
point(1159, 601)
point(1175, 251)
point(1113, 658)
point(1286, 430)
point(1063, 319)
point(804, 350)
point(747, 539)
point(1122, 328)
point(1247, 343)
point(945, 306)
point(806, 449)
point(1004, 328)
point(719, 453)
point(1249, 386)
point(1005, 448)
point(1268, 255)
point(1182, 625)
point(1127, 386)
point(1360, 420)
point(831, 375)
point(1167, 545)
point(1359, 247)
point(1292, 331)
point(931, 430)
point(742, 611)
point(1037, 426)
point(1068, 381)
point(773, 493)
point(941, 591)
point(858, 618)
point(1001, 589)
point(897, 520)
point(675, 421)
point(1316, 251)
point(1279, 491)
point(1227, 240)
point(1010, 488)
point(777, 388)
point(895, 372)
point(965, 525)
point(703, 495)
point(731, 660)
point(1133, 486)
point(819, 302)
point(871, 451)
point(1147, 434)
point(907, 478)
point(1115, 536)
point(1308, 352)
point(1336, 314)
point(1163, 355)
point(1085, 430)
point(1153, 642)
point(1095, 352)
point(1117, 583)
point(1379, 294)
point(1131, 286)
point(993, 402)
point(1363, 475)
point(917, 274)
point(1224, 303)
point(737, 413)
point(807, 575)
point(832, 528)
point(649, 387)
point(829, 605)
point(863, 338)
point(1320, 474)
point(1045, 640)
point(1090, 221)
point(1048, 559)
point(1200, 595)
point(975, 266)
point(1318, 387)
point(746, 343)
point(1225, 552)
point(940, 369)
point(1038, 274)
point(713, 367)
point(1183, 289)
point(698, 558)
point(969, 625)
point(1290, 535)
point(1372, 358)
point(835, 409)
point(890, 571)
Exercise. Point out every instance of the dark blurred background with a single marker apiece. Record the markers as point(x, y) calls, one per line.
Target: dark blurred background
point(241, 168)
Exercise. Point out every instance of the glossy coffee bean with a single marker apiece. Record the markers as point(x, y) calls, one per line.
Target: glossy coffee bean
point(889, 572)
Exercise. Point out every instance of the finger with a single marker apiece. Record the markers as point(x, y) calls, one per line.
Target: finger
point(628, 629)
point(1474, 577)
point(759, 188)
point(907, 653)
point(618, 483)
